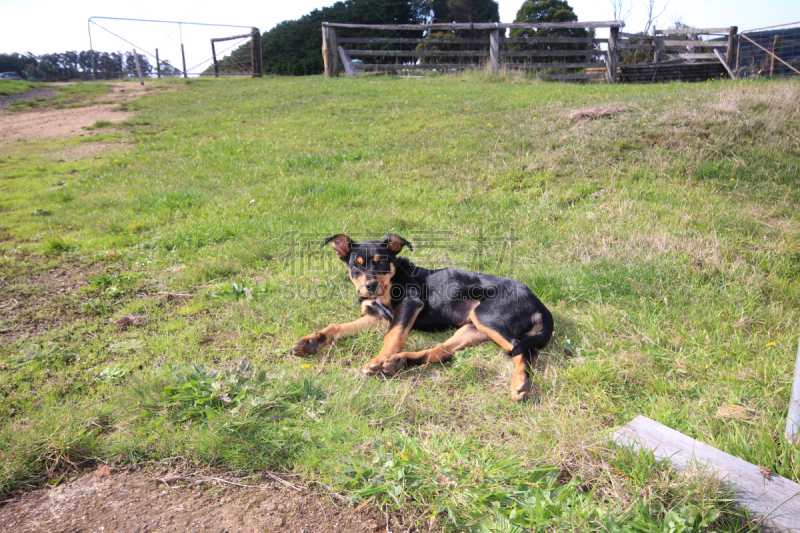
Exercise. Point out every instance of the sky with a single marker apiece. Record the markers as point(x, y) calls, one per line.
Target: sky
point(44, 26)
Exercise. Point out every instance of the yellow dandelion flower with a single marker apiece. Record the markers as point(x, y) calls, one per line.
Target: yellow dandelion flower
point(733, 179)
point(770, 344)
point(305, 366)
point(488, 124)
point(438, 96)
point(198, 157)
point(644, 123)
point(669, 97)
point(535, 118)
point(248, 142)
point(706, 367)
point(466, 109)
point(784, 185)
point(116, 161)
point(238, 149)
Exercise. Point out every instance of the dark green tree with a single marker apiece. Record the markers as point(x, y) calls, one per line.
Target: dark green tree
point(551, 11)
point(444, 11)
point(294, 47)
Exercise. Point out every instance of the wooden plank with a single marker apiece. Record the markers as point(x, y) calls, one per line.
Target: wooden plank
point(478, 26)
point(694, 31)
point(770, 497)
point(696, 44)
point(392, 40)
point(420, 53)
point(572, 76)
point(594, 64)
point(553, 53)
point(554, 40)
point(694, 56)
point(221, 39)
point(725, 64)
point(419, 66)
point(348, 66)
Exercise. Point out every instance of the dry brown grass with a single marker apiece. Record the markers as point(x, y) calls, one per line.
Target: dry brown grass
point(597, 112)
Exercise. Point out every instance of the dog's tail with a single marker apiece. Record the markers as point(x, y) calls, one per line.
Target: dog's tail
point(529, 346)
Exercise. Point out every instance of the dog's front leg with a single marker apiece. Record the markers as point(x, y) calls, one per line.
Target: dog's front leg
point(311, 344)
point(405, 313)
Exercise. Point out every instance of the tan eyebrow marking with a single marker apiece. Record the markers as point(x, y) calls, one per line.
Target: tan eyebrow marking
point(376, 258)
point(360, 260)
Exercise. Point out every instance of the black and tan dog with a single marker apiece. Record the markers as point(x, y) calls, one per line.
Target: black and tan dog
point(395, 292)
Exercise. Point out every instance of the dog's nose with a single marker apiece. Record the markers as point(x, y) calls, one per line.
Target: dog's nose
point(371, 286)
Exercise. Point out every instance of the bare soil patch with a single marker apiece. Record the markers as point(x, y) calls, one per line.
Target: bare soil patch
point(133, 501)
point(69, 122)
point(47, 300)
point(38, 125)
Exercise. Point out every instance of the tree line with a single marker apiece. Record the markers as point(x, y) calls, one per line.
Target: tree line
point(293, 47)
point(74, 64)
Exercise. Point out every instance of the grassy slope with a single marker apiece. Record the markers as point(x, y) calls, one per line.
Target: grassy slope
point(665, 240)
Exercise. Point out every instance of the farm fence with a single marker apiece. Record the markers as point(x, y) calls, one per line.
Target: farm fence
point(554, 50)
point(772, 51)
point(564, 51)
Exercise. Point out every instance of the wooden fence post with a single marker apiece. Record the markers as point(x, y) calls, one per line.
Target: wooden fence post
point(183, 56)
point(655, 45)
point(121, 70)
point(776, 52)
point(329, 51)
point(255, 53)
point(138, 66)
point(158, 65)
point(613, 56)
point(730, 56)
point(214, 55)
point(494, 51)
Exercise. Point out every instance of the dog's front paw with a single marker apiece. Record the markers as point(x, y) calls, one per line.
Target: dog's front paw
point(521, 389)
point(309, 345)
point(393, 365)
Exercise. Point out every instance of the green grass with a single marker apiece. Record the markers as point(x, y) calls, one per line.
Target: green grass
point(664, 239)
point(8, 87)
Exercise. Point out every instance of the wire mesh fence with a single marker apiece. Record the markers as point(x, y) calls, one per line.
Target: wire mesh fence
point(172, 48)
point(773, 51)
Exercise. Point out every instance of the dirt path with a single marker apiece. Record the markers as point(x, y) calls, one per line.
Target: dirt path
point(68, 122)
point(132, 501)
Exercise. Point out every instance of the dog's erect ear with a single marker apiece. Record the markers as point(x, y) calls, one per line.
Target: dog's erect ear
point(341, 244)
point(395, 243)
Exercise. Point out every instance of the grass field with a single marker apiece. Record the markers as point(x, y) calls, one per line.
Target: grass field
point(664, 237)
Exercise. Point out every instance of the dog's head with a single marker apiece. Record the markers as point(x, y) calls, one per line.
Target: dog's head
point(370, 264)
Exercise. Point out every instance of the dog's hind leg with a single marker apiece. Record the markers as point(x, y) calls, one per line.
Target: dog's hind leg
point(489, 321)
point(441, 353)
